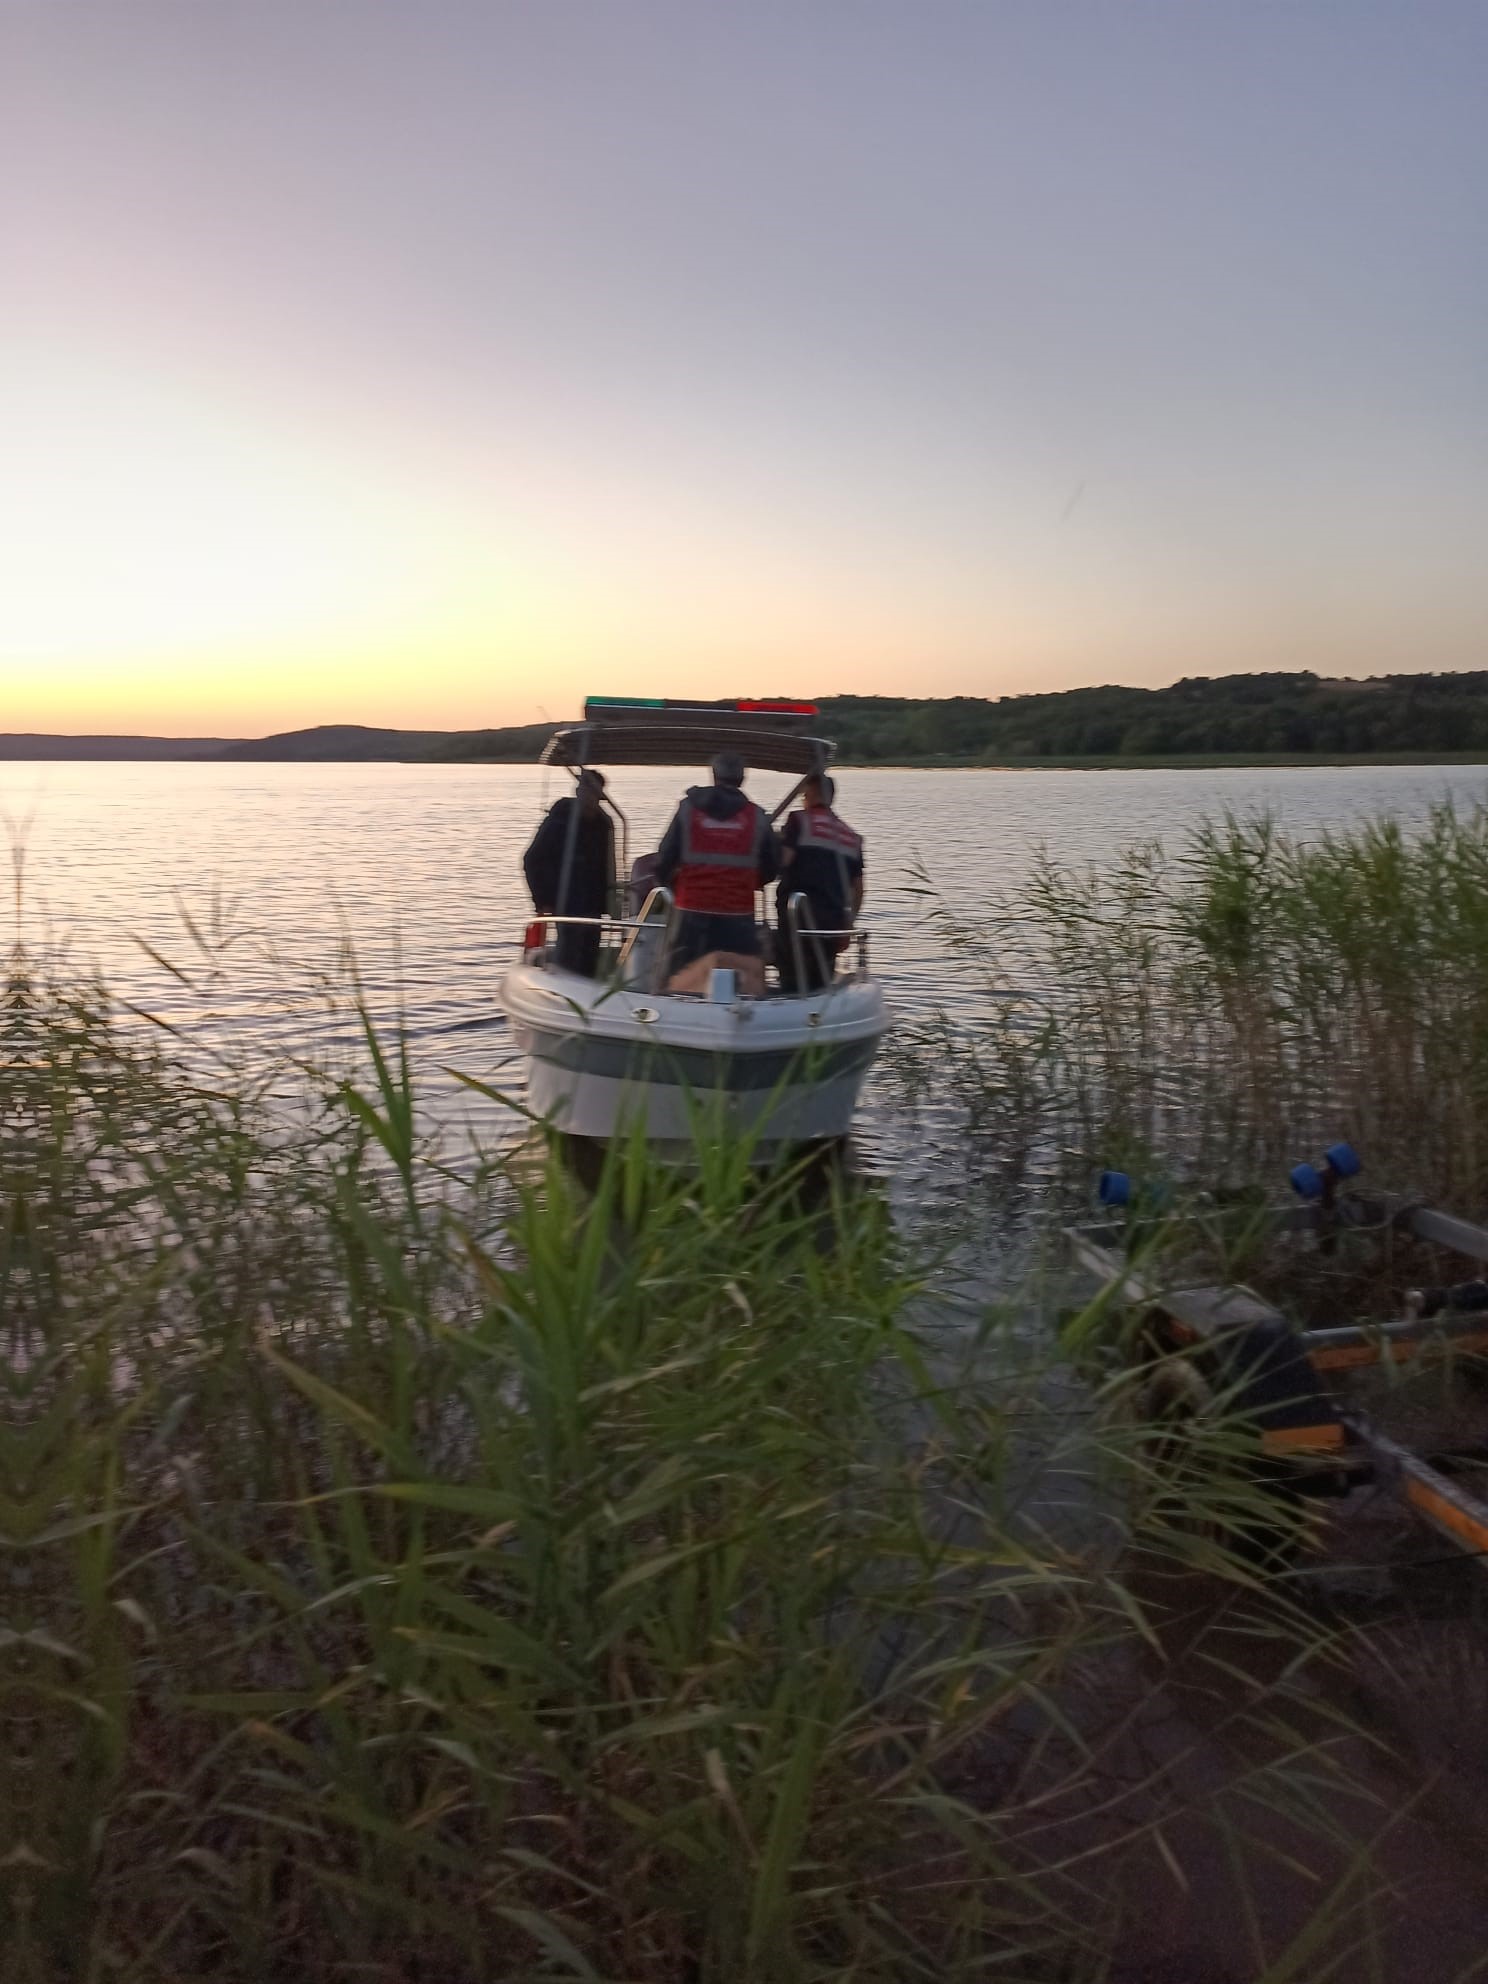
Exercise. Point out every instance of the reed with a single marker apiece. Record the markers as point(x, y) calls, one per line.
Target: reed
point(420, 1577)
point(1219, 1010)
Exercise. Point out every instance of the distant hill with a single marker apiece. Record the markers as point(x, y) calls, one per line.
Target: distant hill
point(1246, 717)
point(338, 743)
point(39, 744)
point(323, 743)
point(519, 744)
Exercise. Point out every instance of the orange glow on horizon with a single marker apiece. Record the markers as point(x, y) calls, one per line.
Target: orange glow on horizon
point(182, 567)
point(179, 562)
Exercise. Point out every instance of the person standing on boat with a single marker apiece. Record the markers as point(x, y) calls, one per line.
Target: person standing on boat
point(821, 858)
point(719, 849)
point(570, 868)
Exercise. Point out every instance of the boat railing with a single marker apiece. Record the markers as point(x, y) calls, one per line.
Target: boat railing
point(632, 925)
point(798, 934)
point(794, 905)
point(659, 895)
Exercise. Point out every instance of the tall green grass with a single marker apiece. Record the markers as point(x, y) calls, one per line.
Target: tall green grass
point(423, 1581)
point(1227, 1007)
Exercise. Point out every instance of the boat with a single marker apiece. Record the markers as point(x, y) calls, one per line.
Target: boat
point(625, 1047)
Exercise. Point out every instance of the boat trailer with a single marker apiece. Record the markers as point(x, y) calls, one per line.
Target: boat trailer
point(1277, 1376)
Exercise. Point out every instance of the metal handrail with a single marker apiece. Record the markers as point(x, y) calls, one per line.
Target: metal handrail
point(663, 895)
point(793, 906)
point(614, 807)
point(601, 922)
point(635, 923)
point(659, 893)
point(811, 933)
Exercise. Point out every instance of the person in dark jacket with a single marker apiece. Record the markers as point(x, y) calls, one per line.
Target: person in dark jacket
point(719, 848)
point(586, 891)
point(821, 858)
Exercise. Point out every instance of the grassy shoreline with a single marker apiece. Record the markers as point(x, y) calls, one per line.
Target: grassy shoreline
point(431, 1582)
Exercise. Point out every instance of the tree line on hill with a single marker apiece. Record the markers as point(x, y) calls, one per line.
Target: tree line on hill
point(1246, 716)
point(1280, 714)
point(1264, 715)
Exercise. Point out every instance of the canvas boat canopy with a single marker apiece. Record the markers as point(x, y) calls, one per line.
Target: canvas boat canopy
point(768, 736)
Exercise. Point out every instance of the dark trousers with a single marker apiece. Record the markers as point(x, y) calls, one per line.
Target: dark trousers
point(818, 962)
point(576, 948)
point(818, 954)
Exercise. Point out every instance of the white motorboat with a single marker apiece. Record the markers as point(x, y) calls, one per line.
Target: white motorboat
point(624, 1047)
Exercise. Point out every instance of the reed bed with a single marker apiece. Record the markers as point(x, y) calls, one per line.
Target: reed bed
point(433, 1576)
point(1218, 1011)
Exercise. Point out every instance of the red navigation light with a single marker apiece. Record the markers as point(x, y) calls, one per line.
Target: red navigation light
point(777, 708)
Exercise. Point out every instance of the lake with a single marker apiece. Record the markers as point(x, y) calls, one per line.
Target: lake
point(418, 870)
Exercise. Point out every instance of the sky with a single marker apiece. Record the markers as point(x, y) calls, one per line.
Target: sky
point(436, 364)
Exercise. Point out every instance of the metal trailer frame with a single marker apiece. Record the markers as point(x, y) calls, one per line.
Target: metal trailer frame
point(1318, 1444)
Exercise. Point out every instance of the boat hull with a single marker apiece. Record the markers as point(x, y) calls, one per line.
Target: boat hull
point(777, 1071)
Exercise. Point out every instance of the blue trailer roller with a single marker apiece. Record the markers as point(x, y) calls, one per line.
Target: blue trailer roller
point(1120, 1188)
point(1321, 1180)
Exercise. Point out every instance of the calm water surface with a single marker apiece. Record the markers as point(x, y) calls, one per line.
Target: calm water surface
point(286, 871)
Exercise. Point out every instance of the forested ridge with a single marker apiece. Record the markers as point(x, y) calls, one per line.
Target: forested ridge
point(1200, 716)
point(1240, 716)
point(1281, 714)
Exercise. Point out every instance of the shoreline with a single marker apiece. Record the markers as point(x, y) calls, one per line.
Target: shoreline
point(1209, 761)
point(1197, 761)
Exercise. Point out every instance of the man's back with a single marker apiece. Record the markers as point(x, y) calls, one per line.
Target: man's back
point(825, 863)
point(588, 881)
point(570, 868)
point(719, 848)
point(717, 851)
point(822, 860)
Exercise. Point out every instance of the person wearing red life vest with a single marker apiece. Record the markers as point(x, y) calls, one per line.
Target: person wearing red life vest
point(822, 859)
point(719, 849)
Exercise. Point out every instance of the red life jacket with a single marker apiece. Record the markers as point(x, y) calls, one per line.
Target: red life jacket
point(820, 831)
point(720, 866)
point(820, 827)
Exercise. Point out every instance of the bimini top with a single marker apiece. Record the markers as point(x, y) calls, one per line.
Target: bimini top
point(768, 736)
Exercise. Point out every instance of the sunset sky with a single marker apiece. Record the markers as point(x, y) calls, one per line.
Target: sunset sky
point(433, 363)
